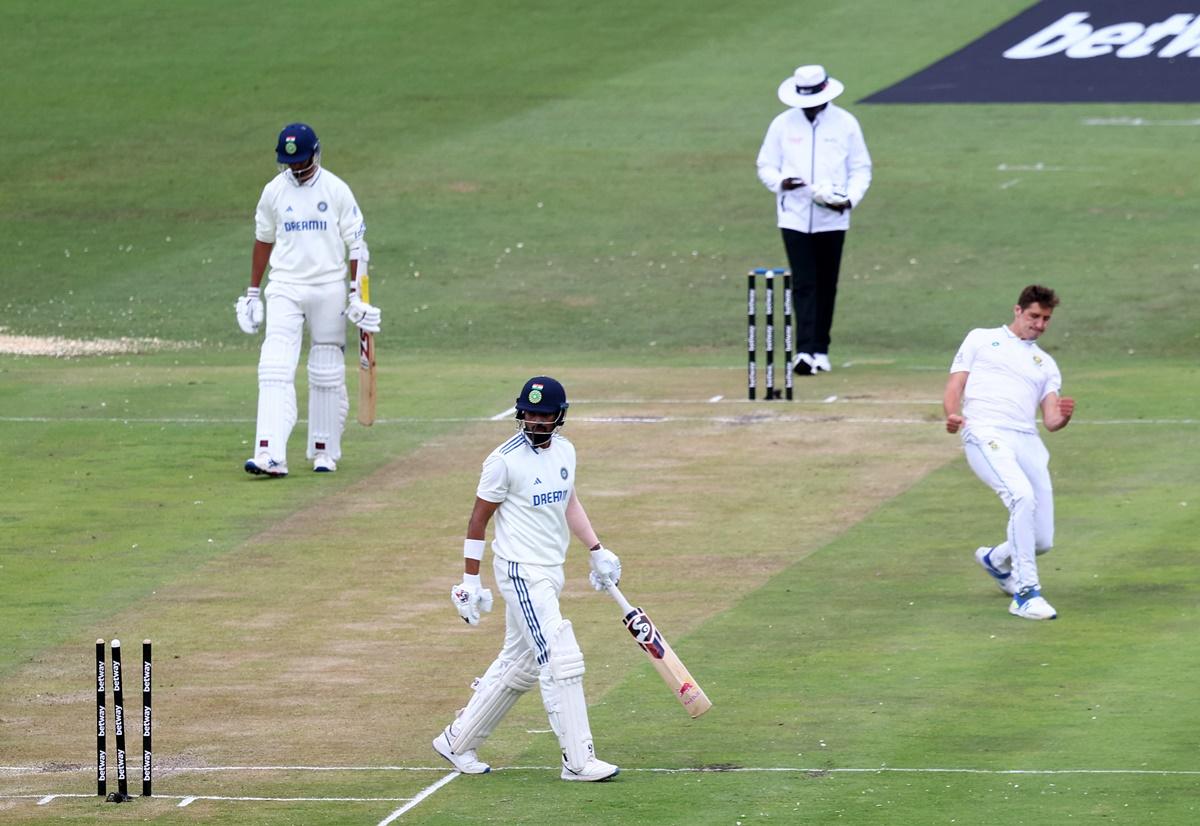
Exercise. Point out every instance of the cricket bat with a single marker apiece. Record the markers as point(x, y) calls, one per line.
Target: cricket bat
point(665, 660)
point(366, 362)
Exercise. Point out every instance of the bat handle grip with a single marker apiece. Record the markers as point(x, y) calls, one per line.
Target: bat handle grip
point(616, 594)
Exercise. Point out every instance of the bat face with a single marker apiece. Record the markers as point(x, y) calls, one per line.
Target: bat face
point(643, 631)
point(667, 663)
point(366, 364)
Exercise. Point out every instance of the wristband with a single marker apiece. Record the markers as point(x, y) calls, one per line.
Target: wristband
point(473, 549)
point(596, 547)
point(253, 292)
point(472, 580)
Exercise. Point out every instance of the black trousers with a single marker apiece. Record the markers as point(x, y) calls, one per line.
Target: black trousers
point(815, 259)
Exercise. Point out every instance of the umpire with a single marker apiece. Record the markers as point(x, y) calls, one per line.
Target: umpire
point(815, 160)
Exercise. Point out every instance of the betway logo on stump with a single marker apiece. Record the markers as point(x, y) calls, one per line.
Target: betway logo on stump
point(1070, 52)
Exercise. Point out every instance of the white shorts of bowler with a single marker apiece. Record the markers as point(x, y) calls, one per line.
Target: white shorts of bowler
point(1016, 466)
point(288, 307)
point(539, 648)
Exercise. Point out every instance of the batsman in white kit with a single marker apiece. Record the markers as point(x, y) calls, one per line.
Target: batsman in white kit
point(998, 381)
point(528, 483)
point(306, 226)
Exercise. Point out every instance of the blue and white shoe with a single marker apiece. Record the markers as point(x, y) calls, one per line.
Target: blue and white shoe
point(264, 465)
point(1030, 604)
point(1001, 575)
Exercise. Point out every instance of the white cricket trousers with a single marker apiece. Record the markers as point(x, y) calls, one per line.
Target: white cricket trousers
point(531, 612)
point(1017, 467)
point(288, 307)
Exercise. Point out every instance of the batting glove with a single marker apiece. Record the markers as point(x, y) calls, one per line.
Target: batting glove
point(606, 569)
point(365, 316)
point(249, 309)
point(469, 597)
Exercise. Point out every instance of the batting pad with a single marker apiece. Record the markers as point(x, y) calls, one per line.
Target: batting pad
point(497, 692)
point(328, 402)
point(565, 704)
point(276, 407)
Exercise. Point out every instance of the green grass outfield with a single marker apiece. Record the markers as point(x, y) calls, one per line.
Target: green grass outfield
point(572, 190)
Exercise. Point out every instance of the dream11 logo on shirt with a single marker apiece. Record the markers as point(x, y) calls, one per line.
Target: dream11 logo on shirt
point(1058, 51)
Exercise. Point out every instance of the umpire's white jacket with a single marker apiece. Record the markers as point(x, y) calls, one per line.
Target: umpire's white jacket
point(830, 149)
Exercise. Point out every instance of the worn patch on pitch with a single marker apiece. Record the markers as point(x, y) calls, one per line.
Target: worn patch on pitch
point(1061, 51)
point(58, 347)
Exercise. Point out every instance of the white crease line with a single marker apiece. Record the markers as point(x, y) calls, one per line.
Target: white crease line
point(653, 769)
point(877, 770)
point(503, 415)
point(1138, 122)
point(762, 414)
point(410, 803)
point(187, 800)
point(1028, 167)
point(424, 793)
point(759, 402)
point(162, 770)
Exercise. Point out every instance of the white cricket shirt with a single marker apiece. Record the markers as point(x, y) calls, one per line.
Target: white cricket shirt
point(533, 487)
point(1008, 379)
point(310, 225)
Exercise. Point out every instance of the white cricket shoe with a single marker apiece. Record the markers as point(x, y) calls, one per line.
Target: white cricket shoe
point(323, 464)
point(594, 770)
point(1000, 574)
point(820, 363)
point(468, 762)
point(1030, 604)
point(264, 465)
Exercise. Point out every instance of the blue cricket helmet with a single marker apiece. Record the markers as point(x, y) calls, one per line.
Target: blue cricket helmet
point(542, 394)
point(297, 143)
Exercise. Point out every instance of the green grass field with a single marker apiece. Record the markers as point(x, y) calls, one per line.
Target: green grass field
point(571, 190)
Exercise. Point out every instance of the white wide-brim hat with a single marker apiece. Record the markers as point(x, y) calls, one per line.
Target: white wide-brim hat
point(809, 86)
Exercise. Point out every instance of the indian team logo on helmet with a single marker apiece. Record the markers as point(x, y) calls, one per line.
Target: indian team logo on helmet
point(535, 394)
point(290, 146)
